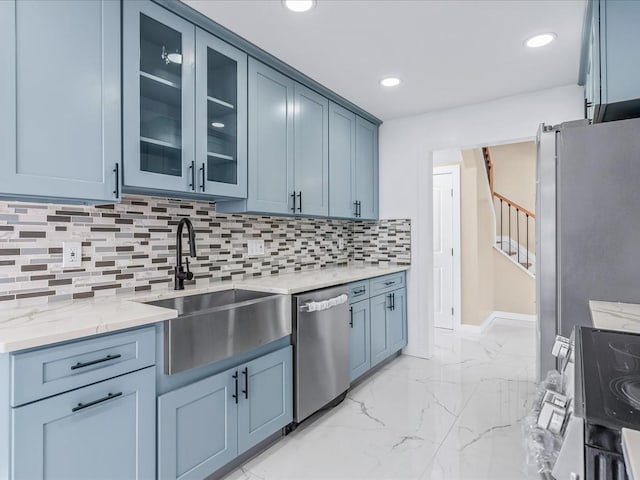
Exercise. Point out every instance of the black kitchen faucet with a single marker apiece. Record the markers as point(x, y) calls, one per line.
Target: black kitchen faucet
point(180, 273)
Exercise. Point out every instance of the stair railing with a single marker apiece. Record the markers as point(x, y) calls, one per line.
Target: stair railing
point(511, 206)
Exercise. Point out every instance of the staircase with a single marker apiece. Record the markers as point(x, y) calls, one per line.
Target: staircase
point(515, 225)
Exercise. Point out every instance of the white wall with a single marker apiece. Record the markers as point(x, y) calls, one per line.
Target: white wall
point(406, 163)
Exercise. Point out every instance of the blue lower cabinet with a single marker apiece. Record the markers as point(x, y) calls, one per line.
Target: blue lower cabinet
point(397, 320)
point(205, 425)
point(197, 428)
point(380, 344)
point(103, 431)
point(359, 339)
point(266, 397)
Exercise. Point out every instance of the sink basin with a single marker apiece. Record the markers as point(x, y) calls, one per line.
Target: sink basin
point(218, 325)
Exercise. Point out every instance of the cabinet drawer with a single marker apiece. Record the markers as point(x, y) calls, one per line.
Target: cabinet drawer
point(387, 283)
point(358, 291)
point(49, 371)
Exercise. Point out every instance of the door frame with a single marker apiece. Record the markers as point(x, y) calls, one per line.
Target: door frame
point(457, 277)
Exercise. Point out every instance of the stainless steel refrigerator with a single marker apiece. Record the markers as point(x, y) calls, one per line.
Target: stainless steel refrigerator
point(587, 224)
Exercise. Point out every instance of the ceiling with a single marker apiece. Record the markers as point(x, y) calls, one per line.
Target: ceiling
point(448, 52)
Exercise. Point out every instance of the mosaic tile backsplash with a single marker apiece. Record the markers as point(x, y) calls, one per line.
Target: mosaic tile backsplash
point(130, 246)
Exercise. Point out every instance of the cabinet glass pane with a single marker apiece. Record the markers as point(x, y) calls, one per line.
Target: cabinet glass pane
point(160, 98)
point(222, 118)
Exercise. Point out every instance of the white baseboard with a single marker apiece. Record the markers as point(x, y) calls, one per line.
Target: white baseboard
point(523, 317)
point(492, 317)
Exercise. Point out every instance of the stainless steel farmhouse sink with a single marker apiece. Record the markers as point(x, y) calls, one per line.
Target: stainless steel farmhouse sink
point(218, 325)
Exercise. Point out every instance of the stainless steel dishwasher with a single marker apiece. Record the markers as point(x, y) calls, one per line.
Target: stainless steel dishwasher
point(321, 345)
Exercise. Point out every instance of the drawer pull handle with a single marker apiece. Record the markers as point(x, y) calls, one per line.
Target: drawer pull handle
point(360, 291)
point(245, 372)
point(390, 282)
point(235, 395)
point(94, 362)
point(82, 406)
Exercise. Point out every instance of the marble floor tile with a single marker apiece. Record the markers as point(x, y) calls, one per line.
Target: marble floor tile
point(455, 417)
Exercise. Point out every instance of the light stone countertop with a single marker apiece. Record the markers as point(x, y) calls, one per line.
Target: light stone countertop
point(36, 326)
point(631, 449)
point(616, 316)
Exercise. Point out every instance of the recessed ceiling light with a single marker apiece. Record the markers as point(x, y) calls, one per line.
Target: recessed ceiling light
point(540, 40)
point(390, 82)
point(217, 124)
point(299, 5)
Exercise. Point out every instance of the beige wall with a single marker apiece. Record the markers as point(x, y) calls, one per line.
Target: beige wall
point(490, 282)
point(476, 232)
point(514, 290)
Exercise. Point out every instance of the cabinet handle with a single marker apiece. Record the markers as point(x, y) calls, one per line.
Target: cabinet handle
point(300, 201)
point(359, 292)
point(192, 185)
point(116, 170)
point(389, 282)
point(245, 372)
point(94, 362)
point(393, 301)
point(390, 307)
point(235, 395)
point(293, 196)
point(351, 316)
point(359, 209)
point(355, 204)
point(203, 177)
point(82, 406)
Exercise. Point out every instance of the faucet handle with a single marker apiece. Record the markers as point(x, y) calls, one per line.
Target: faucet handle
point(188, 275)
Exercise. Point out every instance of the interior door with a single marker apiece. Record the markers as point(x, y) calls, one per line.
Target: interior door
point(443, 249)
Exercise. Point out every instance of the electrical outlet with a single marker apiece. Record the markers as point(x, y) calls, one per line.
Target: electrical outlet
point(255, 247)
point(71, 254)
point(341, 243)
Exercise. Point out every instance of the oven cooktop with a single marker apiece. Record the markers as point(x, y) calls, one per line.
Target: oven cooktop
point(611, 378)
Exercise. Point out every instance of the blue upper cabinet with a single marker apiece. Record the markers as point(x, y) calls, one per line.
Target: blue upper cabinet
point(159, 98)
point(365, 175)
point(311, 152)
point(60, 95)
point(221, 117)
point(342, 155)
point(185, 107)
point(288, 147)
point(270, 140)
point(610, 69)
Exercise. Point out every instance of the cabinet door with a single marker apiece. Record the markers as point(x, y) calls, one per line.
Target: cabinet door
point(359, 339)
point(342, 152)
point(197, 428)
point(397, 321)
point(60, 96)
point(266, 397)
point(221, 118)
point(270, 140)
point(159, 98)
point(103, 431)
point(311, 151)
point(365, 174)
point(380, 344)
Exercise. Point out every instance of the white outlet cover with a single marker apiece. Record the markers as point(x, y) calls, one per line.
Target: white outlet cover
point(71, 254)
point(255, 247)
point(341, 243)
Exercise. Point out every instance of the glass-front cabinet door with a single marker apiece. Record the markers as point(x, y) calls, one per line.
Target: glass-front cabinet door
point(221, 121)
point(159, 103)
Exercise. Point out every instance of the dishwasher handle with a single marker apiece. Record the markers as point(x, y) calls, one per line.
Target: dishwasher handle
point(324, 304)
